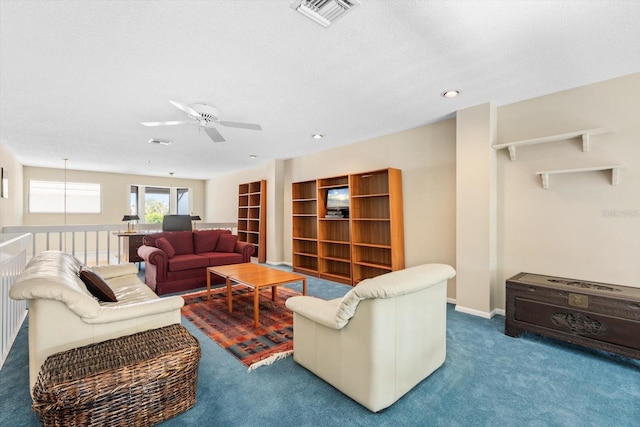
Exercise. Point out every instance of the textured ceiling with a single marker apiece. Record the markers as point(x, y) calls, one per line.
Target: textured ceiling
point(78, 77)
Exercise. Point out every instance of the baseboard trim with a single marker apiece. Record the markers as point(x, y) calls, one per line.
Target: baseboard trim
point(473, 312)
point(279, 263)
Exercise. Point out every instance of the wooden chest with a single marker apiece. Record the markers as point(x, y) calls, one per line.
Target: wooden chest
point(596, 315)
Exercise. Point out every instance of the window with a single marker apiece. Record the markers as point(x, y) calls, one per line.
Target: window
point(158, 202)
point(60, 197)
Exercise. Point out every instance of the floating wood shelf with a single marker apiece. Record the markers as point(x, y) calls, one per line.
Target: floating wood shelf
point(585, 134)
point(615, 173)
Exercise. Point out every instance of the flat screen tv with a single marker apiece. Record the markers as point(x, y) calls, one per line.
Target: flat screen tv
point(338, 198)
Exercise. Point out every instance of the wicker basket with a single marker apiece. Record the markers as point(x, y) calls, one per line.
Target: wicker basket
point(135, 380)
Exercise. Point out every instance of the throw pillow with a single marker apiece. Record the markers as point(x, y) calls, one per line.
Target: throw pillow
point(166, 246)
point(226, 243)
point(96, 285)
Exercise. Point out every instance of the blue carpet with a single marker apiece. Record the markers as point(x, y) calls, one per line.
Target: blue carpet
point(488, 379)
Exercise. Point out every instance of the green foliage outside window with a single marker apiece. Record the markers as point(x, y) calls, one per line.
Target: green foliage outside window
point(154, 211)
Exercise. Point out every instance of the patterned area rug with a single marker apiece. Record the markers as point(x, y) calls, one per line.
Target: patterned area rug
point(234, 332)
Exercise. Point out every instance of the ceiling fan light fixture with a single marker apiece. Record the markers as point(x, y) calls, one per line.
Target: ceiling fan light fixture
point(451, 93)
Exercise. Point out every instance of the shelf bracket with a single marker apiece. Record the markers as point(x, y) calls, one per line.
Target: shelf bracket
point(545, 180)
point(512, 152)
point(585, 142)
point(615, 176)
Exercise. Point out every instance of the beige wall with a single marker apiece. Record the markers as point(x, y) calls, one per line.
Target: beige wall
point(476, 209)
point(115, 194)
point(426, 156)
point(222, 194)
point(581, 227)
point(11, 207)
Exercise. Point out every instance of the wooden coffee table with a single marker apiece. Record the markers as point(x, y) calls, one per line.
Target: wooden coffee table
point(256, 276)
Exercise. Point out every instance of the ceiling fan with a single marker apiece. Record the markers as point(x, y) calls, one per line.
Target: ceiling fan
point(205, 116)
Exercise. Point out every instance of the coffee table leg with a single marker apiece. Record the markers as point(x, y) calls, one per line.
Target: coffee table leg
point(208, 284)
point(256, 305)
point(274, 293)
point(304, 286)
point(229, 301)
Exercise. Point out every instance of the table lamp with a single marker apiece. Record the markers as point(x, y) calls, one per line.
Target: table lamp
point(195, 218)
point(130, 218)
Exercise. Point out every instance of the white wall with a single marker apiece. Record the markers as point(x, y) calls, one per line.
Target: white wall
point(222, 193)
point(115, 194)
point(11, 207)
point(582, 227)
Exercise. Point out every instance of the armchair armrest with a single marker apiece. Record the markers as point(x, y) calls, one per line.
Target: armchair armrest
point(115, 270)
point(317, 310)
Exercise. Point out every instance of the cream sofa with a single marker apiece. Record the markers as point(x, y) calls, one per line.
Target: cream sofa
point(381, 339)
point(63, 314)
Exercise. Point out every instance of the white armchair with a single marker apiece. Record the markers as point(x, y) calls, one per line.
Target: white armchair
point(381, 339)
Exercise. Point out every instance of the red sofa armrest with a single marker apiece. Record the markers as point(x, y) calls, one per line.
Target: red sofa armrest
point(156, 261)
point(244, 248)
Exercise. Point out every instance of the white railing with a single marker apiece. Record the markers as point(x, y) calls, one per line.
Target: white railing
point(13, 258)
point(92, 244)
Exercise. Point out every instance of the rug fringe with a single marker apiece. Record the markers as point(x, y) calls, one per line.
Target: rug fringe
point(269, 360)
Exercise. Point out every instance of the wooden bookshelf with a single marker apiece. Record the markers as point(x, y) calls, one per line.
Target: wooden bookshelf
point(348, 250)
point(377, 220)
point(304, 200)
point(252, 217)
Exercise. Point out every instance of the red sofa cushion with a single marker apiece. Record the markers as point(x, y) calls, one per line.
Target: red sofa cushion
point(226, 243)
point(187, 262)
point(182, 241)
point(222, 258)
point(206, 240)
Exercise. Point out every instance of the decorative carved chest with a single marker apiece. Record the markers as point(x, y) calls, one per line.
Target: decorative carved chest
point(596, 315)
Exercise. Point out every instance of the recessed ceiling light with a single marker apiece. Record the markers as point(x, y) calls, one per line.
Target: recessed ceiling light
point(253, 156)
point(450, 93)
point(317, 136)
point(158, 141)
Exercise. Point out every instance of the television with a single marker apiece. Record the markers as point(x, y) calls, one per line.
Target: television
point(338, 199)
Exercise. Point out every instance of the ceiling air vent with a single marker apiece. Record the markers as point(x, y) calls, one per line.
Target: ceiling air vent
point(324, 12)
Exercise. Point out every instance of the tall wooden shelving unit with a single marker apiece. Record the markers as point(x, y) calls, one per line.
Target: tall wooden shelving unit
point(348, 250)
point(252, 217)
point(334, 236)
point(377, 220)
point(305, 227)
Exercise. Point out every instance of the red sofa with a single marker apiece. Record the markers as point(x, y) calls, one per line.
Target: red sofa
point(177, 261)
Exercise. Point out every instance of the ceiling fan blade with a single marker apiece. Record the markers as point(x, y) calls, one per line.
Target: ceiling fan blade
point(240, 125)
point(185, 108)
point(214, 134)
point(170, 123)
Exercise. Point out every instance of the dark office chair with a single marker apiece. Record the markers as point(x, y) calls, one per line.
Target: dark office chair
point(176, 223)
